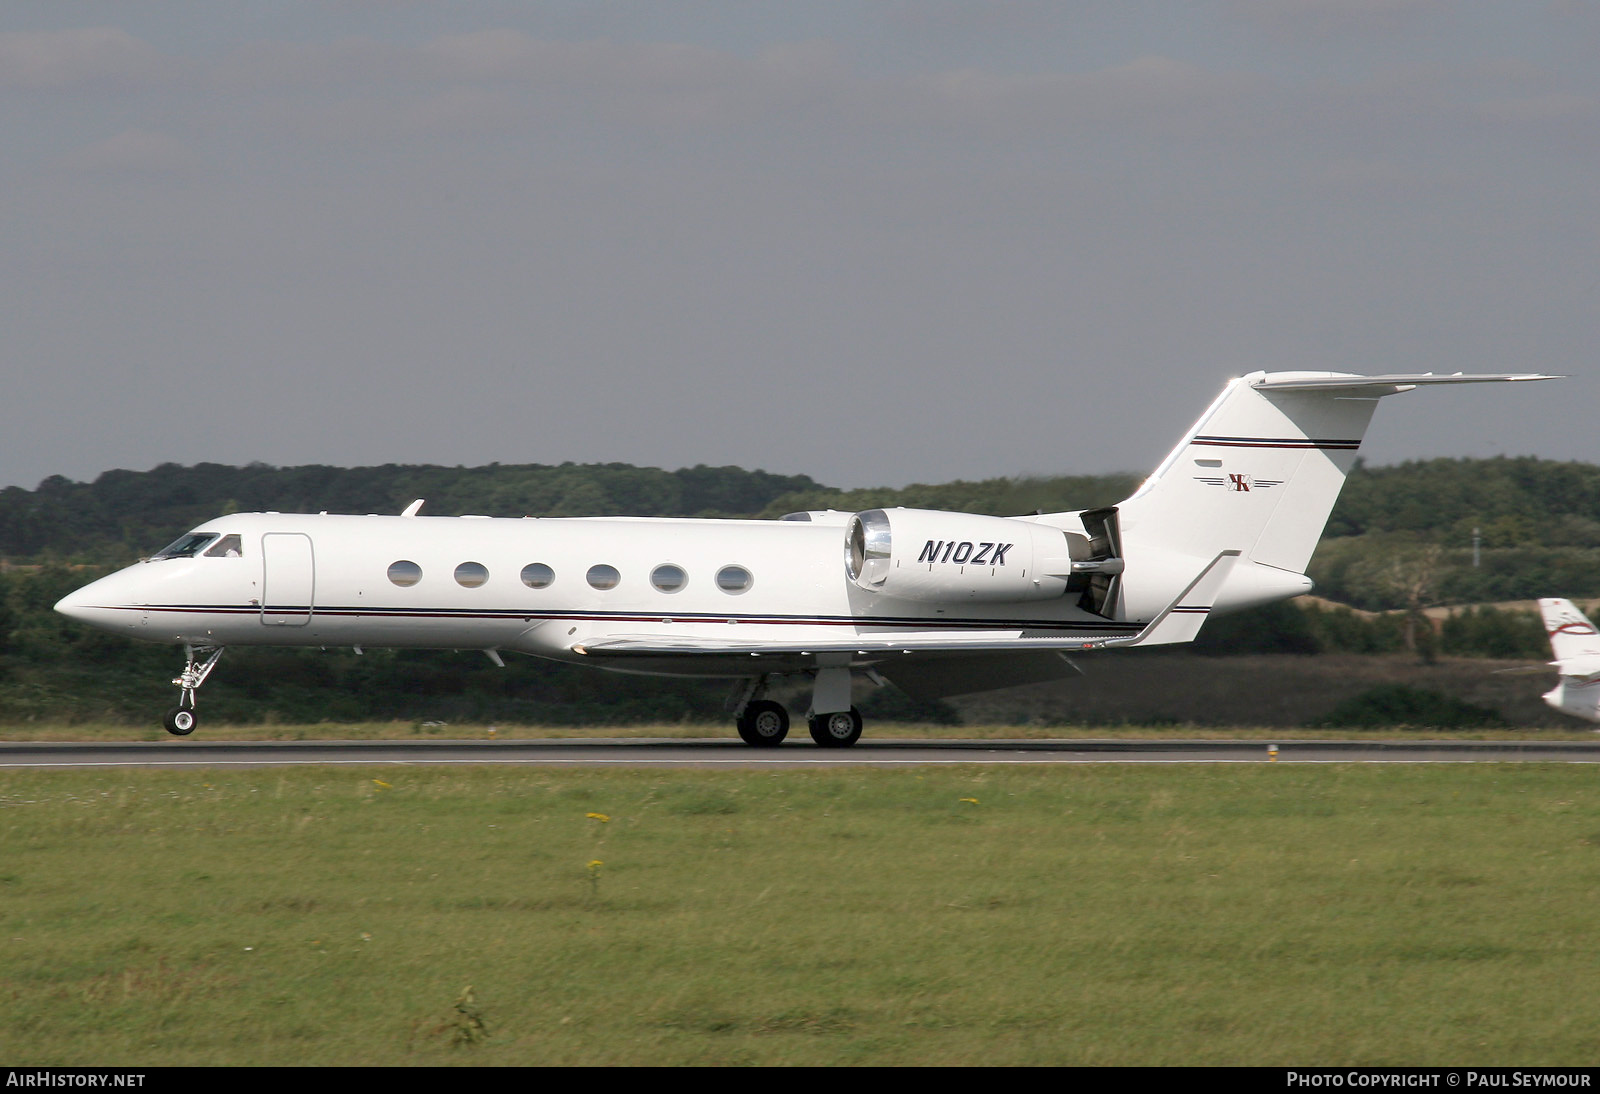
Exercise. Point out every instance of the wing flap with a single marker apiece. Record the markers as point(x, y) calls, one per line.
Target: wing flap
point(645, 645)
point(1580, 670)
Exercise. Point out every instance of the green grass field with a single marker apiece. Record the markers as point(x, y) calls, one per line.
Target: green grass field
point(1189, 914)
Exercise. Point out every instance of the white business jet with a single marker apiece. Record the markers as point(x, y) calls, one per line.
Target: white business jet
point(938, 603)
point(1576, 645)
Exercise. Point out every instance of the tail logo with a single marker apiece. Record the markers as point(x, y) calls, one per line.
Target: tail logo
point(1241, 483)
point(1574, 626)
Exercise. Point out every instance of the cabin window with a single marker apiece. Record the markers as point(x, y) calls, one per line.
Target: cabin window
point(734, 579)
point(603, 576)
point(186, 546)
point(536, 575)
point(470, 575)
point(405, 574)
point(226, 547)
point(668, 578)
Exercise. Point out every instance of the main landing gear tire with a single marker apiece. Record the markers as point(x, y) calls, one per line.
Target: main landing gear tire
point(841, 729)
point(764, 724)
point(180, 721)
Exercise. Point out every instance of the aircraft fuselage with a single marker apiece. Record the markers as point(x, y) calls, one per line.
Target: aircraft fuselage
point(535, 586)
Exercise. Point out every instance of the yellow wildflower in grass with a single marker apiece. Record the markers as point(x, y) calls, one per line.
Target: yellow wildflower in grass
point(469, 1024)
point(381, 785)
point(973, 801)
point(601, 817)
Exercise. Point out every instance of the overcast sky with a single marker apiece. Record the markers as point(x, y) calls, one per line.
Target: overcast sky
point(873, 242)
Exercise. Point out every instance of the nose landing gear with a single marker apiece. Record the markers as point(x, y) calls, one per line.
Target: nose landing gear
point(181, 721)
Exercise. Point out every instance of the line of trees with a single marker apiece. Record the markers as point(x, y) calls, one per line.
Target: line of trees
point(123, 514)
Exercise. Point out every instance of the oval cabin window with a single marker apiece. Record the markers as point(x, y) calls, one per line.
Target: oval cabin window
point(471, 574)
point(536, 575)
point(603, 576)
point(669, 578)
point(405, 574)
point(734, 579)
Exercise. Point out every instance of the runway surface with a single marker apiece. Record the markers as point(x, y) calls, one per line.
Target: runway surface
point(720, 752)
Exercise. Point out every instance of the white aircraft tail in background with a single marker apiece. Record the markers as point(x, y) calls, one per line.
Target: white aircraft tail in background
point(1576, 645)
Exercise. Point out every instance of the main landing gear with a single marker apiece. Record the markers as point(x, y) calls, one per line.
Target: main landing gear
point(181, 720)
point(763, 723)
point(841, 729)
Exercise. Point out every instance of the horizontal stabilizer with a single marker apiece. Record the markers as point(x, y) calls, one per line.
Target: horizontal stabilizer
point(1378, 386)
point(1580, 670)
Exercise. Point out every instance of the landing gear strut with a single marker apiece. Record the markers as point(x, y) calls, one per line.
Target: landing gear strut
point(181, 720)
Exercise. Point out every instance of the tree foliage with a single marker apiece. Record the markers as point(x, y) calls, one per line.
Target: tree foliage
point(123, 514)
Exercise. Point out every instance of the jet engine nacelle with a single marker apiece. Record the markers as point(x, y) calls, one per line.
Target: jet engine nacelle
point(924, 554)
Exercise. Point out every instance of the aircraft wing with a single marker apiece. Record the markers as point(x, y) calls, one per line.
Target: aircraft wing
point(647, 645)
point(1179, 621)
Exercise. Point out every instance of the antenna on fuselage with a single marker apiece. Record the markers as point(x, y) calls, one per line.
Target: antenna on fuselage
point(411, 510)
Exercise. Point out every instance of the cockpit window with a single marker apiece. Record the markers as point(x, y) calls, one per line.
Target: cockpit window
point(186, 546)
point(226, 547)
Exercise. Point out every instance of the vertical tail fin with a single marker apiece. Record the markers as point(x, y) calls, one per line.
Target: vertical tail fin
point(1258, 473)
point(1261, 469)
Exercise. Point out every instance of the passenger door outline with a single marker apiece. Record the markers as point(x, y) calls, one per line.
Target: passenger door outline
point(288, 579)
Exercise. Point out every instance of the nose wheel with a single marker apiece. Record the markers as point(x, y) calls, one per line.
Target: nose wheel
point(181, 721)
